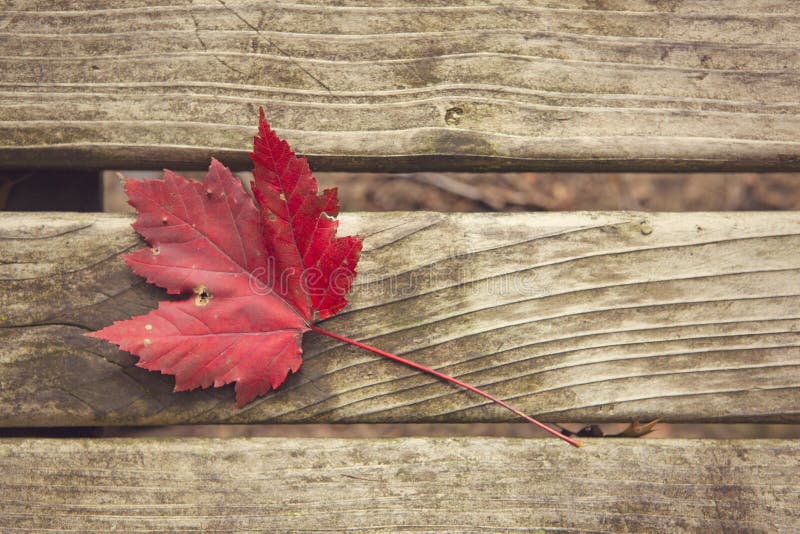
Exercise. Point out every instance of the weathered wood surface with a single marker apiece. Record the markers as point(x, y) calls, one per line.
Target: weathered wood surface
point(572, 316)
point(619, 84)
point(425, 485)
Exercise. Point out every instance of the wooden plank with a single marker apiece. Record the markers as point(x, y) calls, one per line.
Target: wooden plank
point(622, 84)
point(417, 485)
point(572, 316)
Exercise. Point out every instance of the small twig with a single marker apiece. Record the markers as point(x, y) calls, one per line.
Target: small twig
point(633, 430)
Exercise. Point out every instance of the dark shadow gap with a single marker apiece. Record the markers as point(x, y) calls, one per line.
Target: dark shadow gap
point(532, 191)
point(361, 430)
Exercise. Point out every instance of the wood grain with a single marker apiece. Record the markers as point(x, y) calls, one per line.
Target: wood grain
point(407, 485)
point(572, 316)
point(619, 84)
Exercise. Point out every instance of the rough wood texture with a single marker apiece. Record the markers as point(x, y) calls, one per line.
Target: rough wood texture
point(575, 317)
point(579, 84)
point(419, 485)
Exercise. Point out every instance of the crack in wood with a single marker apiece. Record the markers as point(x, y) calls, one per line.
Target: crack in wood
point(273, 45)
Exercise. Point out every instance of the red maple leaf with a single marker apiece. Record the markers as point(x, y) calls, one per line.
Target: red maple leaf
point(260, 276)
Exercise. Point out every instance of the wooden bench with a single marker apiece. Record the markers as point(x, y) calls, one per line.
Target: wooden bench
point(576, 317)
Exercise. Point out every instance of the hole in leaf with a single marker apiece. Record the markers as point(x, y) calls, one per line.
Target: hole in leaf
point(203, 297)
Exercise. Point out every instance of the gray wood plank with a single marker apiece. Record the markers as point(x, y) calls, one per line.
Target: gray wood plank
point(402, 485)
point(624, 84)
point(571, 316)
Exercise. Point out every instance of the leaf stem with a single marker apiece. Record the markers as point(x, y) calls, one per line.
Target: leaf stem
point(446, 378)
